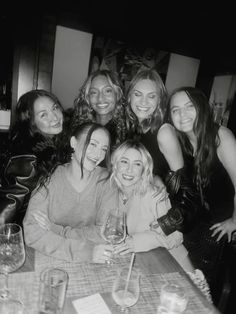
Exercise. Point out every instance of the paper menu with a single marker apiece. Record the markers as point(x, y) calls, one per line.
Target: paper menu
point(93, 304)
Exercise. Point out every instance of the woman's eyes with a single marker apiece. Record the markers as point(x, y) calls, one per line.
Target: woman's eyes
point(43, 115)
point(123, 161)
point(174, 110)
point(152, 96)
point(93, 93)
point(108, 91)
point(189, 107)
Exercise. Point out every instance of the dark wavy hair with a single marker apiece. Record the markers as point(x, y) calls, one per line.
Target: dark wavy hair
point(25, 124)
point(25, 138)
point(205, 130)
point(84, 111)
point(156, 120)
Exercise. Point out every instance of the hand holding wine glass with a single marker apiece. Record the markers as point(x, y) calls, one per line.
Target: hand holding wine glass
point(114, 228)
point(12, 257)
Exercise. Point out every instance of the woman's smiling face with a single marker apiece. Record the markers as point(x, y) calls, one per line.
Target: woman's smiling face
point(129, 167)
point(102, 96)
point(144, 99)
point(48, 117)
point(96, 150)
point(183, 112)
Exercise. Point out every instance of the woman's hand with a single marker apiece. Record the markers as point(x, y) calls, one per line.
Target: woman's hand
point(101, 253)
point(225, 227)
point(125, 247)
point(43, 220)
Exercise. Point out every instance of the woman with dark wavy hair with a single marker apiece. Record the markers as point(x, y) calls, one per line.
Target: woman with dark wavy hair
point(146, 105)
point(210, 152)
point(101, 100)
point(32, 151)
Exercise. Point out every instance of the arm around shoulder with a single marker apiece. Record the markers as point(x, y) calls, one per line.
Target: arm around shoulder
point(185, 203)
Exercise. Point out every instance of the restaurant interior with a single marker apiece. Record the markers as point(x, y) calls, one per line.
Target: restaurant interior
point(207, 34)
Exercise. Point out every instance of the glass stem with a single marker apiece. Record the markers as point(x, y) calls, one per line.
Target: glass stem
point(5, 292)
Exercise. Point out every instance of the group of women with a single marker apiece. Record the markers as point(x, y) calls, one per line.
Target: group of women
point(172, 170)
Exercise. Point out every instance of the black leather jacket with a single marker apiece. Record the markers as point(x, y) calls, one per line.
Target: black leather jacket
point(185, 201)
point(18, 180)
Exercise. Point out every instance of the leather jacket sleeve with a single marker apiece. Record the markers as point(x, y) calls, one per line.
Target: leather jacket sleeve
point(185, 202)
point(18, 180)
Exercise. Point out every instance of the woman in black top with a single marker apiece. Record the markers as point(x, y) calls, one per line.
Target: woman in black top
point(32, 151)
point(146, 104)
point(210, 154)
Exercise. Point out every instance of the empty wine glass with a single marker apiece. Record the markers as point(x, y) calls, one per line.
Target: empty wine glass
point(12, 257)
point(126, 292)
point(114, 229)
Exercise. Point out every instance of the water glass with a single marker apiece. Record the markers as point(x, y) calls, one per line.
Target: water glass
point(173, 299)
point(53, 285)
point(126, 292)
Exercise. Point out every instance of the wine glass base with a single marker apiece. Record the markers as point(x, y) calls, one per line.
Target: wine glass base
point(11, 306)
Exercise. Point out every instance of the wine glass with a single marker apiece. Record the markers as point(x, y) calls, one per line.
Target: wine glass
point(125, 290)
point(12, 257)
point(114, 229)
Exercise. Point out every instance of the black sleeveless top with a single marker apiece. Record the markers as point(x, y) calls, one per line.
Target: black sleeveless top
point(160, 165)
point(219, 193)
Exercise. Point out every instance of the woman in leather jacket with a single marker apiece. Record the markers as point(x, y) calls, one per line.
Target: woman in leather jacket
point(32, 151)
point(210, 153)
point(146, 105)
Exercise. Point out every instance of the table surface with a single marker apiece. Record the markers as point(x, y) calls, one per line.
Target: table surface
point(156, 268)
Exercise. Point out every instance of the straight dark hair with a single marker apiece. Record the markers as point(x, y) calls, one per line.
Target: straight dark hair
point(205, 130)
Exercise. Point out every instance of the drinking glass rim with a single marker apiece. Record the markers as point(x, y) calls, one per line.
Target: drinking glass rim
point(13, 232)
point(178, 290)
point(48, 269)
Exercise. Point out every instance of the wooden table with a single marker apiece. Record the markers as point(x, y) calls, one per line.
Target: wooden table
point(156, 267)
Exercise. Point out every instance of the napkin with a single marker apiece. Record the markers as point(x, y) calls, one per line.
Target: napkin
point(93, 304)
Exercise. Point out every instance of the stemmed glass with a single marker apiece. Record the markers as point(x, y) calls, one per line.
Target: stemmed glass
point(114, 229)
point(125, 290)
point(12, 257)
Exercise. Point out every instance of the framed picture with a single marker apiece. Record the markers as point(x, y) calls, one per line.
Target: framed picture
point(126, 59)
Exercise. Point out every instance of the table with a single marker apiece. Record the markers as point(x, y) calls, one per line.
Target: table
point(156, 268)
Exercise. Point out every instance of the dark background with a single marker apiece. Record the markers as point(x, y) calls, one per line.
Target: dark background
point(201, 30)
